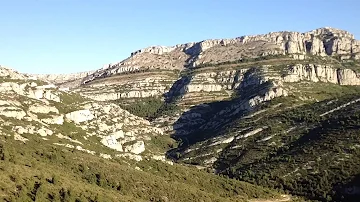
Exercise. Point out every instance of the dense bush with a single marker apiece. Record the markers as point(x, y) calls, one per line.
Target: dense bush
point(149, 108)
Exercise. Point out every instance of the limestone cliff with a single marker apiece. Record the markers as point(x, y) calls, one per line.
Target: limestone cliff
point(323, 73)
point(321, 42)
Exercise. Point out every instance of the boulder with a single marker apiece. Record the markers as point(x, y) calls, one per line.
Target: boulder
point(80, 116)
point(45, 132)
point(136, 148)
point(111, 141)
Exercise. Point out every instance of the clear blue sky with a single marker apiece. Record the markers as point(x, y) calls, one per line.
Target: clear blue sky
point(63, 36)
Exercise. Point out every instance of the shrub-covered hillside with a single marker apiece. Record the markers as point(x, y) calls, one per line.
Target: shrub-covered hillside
point(30, 172)
point(308, 148)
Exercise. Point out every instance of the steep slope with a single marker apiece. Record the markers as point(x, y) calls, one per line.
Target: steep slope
point(307, 147)
point(310, 150)
point(60, 146)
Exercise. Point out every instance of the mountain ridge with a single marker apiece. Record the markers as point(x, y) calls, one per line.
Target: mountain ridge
point(234, 107)
point(194, 47)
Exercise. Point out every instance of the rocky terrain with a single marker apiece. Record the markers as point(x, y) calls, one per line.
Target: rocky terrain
point(323, 42)
point(41, 107)
point(49, 136)
point(235, 107)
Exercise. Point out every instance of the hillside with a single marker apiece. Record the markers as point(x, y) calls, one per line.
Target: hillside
point(59, 146)
point(193, 121)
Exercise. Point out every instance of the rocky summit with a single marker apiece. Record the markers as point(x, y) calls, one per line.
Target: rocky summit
point(243, 119)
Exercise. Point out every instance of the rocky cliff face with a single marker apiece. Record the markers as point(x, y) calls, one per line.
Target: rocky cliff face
point(138, 85)
point(322, 42)
point(321, 73)
point(153, 71)
point(213, 85)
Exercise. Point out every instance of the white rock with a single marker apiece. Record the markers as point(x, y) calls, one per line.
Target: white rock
point(49, 95)
point(111, 140)
point(12, 112)
point(46, 86)
point(45, 132)
point(225, 141)
point(80, 116)
point(9, 103)
point(323, 73)
point(59, 120)
point(210, 161)
point(251, 133)
point(85, 150)
point(70, 146)
point(105, 156)
point(22, 130)
point(61, 136)
point(43, 109)
point(104, 127)
point(20, 138)
point(162, 158)
point(130, 156)
point(136, 148)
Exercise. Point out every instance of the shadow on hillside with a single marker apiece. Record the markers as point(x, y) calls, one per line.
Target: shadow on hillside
point(332, 130)
point(177, 90)
point(209, 120)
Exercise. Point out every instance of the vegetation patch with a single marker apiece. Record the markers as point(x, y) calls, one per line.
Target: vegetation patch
point(149, 108)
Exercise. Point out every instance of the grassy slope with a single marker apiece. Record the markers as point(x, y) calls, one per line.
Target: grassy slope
point(48, 173)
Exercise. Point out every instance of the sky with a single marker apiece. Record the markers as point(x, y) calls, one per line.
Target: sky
point(67, 36)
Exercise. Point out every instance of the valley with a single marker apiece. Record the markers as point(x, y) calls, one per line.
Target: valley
point(271, 117)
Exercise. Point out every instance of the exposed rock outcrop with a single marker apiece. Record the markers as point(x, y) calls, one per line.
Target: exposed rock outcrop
point(57, 119)
point(11, 74)
point(322, 73)
point(111, 140)
point(322, 42)
point(43, 109)
point(80, 116)
point(136, 148)
point(12, 112)
point(29, 90)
